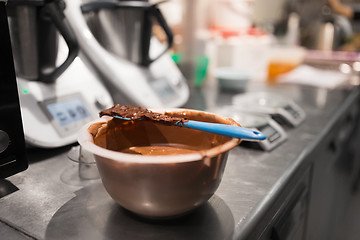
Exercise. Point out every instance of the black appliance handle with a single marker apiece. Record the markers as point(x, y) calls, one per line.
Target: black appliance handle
point(113, 4)
point(54, 10)
point(155, 11)
point(151, 8)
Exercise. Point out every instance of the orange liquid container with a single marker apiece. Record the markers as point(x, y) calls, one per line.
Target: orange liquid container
point(282, 60)
point(276, 68)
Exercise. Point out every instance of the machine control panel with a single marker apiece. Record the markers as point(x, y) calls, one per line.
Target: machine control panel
point(67, 114)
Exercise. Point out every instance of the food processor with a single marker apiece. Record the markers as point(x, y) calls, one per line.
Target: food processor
point(13, 157)
point(117, 39)
point(58, 91)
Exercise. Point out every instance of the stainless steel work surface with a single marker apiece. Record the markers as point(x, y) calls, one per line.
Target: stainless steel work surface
point(53, 203)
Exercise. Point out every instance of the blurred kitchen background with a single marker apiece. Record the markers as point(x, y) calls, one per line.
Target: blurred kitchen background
point(240, 33)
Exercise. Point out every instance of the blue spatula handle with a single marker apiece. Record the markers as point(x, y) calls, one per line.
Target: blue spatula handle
point(220, 129)
point(225, 130)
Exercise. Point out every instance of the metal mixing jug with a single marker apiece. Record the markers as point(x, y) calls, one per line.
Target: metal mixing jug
point(125, 27)
point(34, 27)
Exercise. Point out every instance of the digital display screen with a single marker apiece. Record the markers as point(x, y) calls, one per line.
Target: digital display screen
point(294, 113)
point(270, 132)
point(68, 111)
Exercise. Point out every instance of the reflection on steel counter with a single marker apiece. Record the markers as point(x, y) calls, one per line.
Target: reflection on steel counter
point(93, 215)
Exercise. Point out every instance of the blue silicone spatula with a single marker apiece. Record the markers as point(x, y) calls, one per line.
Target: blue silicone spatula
point(219, 129)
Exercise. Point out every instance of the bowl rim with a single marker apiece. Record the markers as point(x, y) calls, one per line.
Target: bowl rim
point(85, 140)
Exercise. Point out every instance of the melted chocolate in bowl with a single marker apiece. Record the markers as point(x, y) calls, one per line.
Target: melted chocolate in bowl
point(147, 137)
point(161, 149)
point(157, 170)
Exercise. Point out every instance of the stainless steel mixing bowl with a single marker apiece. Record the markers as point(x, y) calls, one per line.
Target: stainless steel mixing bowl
point(165, 185)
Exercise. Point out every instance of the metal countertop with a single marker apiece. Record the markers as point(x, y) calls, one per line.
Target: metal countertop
point(52, 202)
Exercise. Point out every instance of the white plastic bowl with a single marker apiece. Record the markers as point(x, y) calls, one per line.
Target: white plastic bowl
point(232, 79)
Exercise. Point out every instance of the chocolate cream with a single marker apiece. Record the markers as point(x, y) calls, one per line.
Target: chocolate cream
point(139, 113)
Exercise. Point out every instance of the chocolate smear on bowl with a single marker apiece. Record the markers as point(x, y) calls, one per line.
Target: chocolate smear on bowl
point(139, 113)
